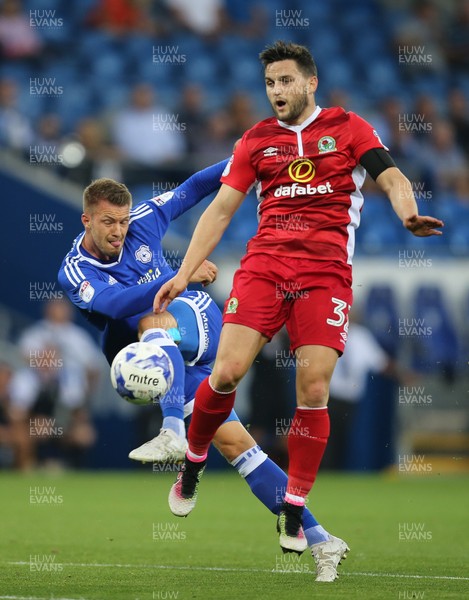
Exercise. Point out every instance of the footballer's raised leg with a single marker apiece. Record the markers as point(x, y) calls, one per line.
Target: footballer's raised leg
point(193, 344)
point(171, 444)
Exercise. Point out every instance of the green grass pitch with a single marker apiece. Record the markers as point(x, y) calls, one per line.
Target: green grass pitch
point(111, 536)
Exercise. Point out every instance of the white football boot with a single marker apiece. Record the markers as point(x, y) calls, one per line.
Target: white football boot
point(327, 556)
point(183, 493)
point(166, 447)
point(290, 529)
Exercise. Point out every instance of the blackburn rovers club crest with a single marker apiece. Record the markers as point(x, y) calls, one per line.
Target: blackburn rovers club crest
point(232, 306)
point(143, 254)
point(326, 144)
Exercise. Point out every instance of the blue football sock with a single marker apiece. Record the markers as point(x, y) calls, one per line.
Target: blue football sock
point(268, 483)
point(172, 404)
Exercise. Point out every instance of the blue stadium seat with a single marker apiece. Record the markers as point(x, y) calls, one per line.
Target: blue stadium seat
point(108, 66)
point(338, 73)
point(357, 18)
point(433, 85)
point(161, 63)
point(459, 239)
point(325, 45)
point(232, 47)
point(244, 223)
point(375, 207)
point(464, 333)
point(380, 315)
point(318, 13)
point(79, 10)
point(93, 44)
point(456, 230)
point(374, 211)
point(382, 74)
point(362, 47)
point(53, 20)
point(41, 5)
point(112, 96)
point(461, 80)
point(64, 72)
point(380, 231)
point(245, 72)
point(18, 72)
point(76, 104)
point(161, 75)
point(31, 105)
point(433, 336)
point(370, 4)
point(139, 48)
point(430, 246)
point(384, 239)
point(204, 70)
point(447, 207)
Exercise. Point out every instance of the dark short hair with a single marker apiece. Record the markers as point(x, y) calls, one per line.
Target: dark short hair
point(106, 189)
point(281, 50)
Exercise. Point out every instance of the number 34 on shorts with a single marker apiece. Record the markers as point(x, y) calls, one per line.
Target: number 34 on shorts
point(340, 319)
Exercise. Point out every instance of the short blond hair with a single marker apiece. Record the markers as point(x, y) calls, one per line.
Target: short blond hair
point(106, 189)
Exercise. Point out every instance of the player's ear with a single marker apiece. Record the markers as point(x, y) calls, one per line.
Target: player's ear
point(312, 85)
point(85, 219)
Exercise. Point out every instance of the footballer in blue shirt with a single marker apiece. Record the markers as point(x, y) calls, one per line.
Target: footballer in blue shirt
point(112, 273)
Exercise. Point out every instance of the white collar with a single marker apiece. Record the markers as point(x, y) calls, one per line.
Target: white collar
point(305, 123)
point(95, 261)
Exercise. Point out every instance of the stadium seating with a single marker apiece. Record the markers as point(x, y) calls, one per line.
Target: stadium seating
point(382, 317)
point(99, 68)
point(435, 342)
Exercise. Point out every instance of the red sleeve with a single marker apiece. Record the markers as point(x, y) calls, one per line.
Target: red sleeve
point(239, 173)
point(364, 137)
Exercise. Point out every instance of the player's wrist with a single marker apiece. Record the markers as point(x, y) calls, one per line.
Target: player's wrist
point(410, 219)
point(185, 273)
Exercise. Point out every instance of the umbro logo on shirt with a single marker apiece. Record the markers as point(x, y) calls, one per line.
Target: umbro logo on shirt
point(270, 151)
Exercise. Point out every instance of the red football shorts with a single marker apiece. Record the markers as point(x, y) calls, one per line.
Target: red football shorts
point(312, 298)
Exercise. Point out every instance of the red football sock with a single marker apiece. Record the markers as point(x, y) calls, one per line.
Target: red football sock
point(211, 408)
point(307, 440)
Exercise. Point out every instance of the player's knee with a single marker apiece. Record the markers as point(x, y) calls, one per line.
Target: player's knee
point(163, 320)
point(225, 377)
point(313, 393)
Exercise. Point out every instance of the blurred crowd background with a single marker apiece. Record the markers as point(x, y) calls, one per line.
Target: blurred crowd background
point(147, 92)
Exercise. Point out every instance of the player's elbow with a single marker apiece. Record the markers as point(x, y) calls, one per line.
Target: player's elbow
point(111, 310)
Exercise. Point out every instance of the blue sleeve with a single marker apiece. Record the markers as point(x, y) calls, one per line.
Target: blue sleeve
point(191, 192)
point(127, 302)
point(113, 301)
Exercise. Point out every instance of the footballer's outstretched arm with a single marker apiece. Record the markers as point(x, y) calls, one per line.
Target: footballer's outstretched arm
point(399, 191)
point(116, 302)
point(196, 188)
point(205, 238)
point(94, 295)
